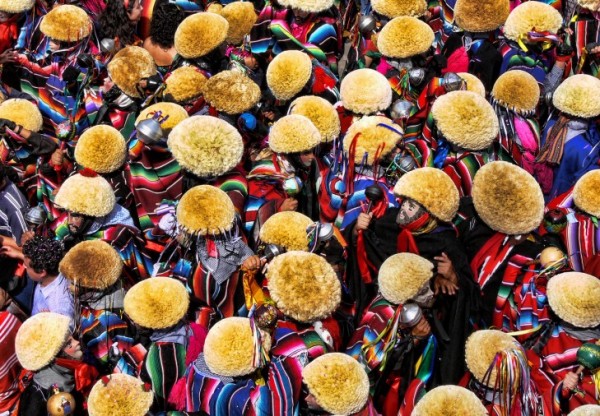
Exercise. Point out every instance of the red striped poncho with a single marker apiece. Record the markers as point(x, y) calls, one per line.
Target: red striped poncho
point(9, 365)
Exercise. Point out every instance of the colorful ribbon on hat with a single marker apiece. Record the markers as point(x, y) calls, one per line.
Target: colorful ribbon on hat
point(401, 85)
point(260, 357)
point(513, 383)
point(426, 362)
point(375, 352)
point(546, 39)
point(253, 294)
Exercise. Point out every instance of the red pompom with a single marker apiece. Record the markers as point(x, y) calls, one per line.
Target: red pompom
point(88, 173)
point(323, 81)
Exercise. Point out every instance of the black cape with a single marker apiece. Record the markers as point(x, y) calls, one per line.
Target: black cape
point(454, 313)
point(474, 233)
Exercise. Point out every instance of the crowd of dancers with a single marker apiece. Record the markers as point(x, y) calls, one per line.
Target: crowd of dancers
point(299, 207)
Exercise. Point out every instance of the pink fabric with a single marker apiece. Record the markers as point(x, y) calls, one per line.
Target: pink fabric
point(528, 142)
point(196, 343)
point(542, 172)
point(383, 66)
point(300, 31)
point(544, 175)
point(10, 366)
point(177, 396)
point(458, 61)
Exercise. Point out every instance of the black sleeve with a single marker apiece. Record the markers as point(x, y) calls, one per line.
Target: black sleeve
point(453, 42)
point(485, 64)
point(40, 144)
point(380, 243)
point(456, 313)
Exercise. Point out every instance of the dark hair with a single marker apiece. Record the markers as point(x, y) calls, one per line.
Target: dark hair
point(114, 21)
point(45, 254)
point(165, 19)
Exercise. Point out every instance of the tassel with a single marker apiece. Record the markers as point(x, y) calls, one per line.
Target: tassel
point(177, 396)
point(195, 343)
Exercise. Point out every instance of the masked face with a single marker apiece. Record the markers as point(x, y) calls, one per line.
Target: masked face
point(5, 17)
point(312, 404)
point(409, 211)
point(299, 161)
point(307, 158)
point(251, 62)
point(425, 296)
point(107, 85)
point(53, 45)
point(73, 349)
point(76, 223)
point(184, 239)
point(300, 15)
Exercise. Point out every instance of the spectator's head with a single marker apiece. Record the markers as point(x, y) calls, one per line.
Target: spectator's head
point(119, 18)
point(165, 19)
point(134, 10)
point(42, 256)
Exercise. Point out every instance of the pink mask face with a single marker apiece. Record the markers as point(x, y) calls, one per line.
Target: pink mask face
point(250, 62)
point(107, 85)
point(73, 349)
point(409, 211)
